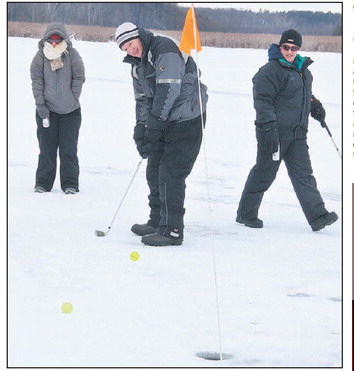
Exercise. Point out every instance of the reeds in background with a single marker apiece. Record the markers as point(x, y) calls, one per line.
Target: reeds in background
point(213, 39)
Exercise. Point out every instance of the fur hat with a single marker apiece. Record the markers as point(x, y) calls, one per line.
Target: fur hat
point(125, 32)
point(292, 37)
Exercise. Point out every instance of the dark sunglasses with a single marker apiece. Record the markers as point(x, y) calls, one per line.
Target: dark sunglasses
point(292, 48)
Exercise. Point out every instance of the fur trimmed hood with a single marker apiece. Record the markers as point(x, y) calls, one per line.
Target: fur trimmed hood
point(55, 28)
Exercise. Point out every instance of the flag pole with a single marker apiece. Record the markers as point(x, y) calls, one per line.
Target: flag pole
point(197, 63)
point(207, 182)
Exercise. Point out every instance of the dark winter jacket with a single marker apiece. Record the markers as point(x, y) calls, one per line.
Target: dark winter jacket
point(165, 83)
point(58, 90)
point(282, 94)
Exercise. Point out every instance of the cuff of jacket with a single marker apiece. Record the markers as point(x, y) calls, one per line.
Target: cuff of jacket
point(267, 126)
point(153, 122)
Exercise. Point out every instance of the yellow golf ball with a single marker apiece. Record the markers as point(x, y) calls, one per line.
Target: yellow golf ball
point(67, 308)
point(134, 256)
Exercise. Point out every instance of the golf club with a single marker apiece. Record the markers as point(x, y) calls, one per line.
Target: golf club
point(102, 233)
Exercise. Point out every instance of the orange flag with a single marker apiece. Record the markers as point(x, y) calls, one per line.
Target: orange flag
point(190, 35)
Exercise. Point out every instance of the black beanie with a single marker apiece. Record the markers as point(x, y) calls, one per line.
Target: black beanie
point(292, 37)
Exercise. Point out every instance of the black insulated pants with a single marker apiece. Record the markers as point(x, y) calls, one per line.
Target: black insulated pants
point(169, 165)
point(62, 135)
point(297, 161)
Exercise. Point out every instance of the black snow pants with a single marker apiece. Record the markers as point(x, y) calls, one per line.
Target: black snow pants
point(62, 134)
point(171, 161)
point(297, 160)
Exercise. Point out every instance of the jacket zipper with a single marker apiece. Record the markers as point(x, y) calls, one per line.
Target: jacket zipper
point(303, 102)
point(57, 84)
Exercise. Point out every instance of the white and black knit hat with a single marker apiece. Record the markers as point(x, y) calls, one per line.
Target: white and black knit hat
point(125, 32)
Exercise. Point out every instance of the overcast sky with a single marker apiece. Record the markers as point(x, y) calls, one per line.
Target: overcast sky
point(274, 6)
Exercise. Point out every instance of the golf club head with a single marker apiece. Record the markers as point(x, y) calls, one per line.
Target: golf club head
point(100, 234)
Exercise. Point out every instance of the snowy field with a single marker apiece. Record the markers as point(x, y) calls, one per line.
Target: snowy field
point(278, 288)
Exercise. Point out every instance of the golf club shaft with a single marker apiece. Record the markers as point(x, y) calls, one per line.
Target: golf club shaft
point(324, 124)
point(98, 233)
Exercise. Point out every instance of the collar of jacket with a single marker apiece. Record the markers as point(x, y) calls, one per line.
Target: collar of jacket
point(300, 63)
point(146, 39)
point(132, 60)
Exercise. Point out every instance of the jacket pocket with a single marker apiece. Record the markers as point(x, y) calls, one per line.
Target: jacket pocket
point(292, 85)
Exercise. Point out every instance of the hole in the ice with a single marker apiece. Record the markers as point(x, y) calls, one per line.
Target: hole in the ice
point(213, 356)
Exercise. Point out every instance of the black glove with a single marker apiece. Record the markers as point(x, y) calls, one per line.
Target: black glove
point(271, 140)
point(155, 128)
point(154, 135)
point(153, 122)
point(142, 143)
point(144, 150)
point(317, 110)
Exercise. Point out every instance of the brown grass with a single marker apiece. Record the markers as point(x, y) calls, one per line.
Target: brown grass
point(214, 39)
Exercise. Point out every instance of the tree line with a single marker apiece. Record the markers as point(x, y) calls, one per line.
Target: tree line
point(170, 16)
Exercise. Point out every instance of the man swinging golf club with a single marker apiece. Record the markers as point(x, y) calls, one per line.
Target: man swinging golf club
point(168, 129)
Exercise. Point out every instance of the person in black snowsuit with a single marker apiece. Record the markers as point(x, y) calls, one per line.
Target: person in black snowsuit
point(283, 100)
point(57, 74)
point(169, 126)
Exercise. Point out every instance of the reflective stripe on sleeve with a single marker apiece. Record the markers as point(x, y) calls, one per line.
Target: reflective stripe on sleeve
point(169, 81)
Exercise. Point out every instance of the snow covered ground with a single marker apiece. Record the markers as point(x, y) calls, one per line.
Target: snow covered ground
point(278, 288)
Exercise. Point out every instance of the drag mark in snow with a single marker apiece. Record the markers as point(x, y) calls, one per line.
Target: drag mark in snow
point(299, 295)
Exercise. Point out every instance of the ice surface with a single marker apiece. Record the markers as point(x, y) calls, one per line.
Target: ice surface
point(278, 289)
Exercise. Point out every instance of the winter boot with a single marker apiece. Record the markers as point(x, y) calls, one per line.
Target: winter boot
point(252, 223)
point(70, 191)
point(324, 220)
point(143, 229)
point(169, 237)
point(40, 189)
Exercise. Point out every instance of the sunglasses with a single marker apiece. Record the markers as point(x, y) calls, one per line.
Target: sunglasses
point(292, 48)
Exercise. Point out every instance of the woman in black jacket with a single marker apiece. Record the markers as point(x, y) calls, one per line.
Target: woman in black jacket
point(283, 100)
